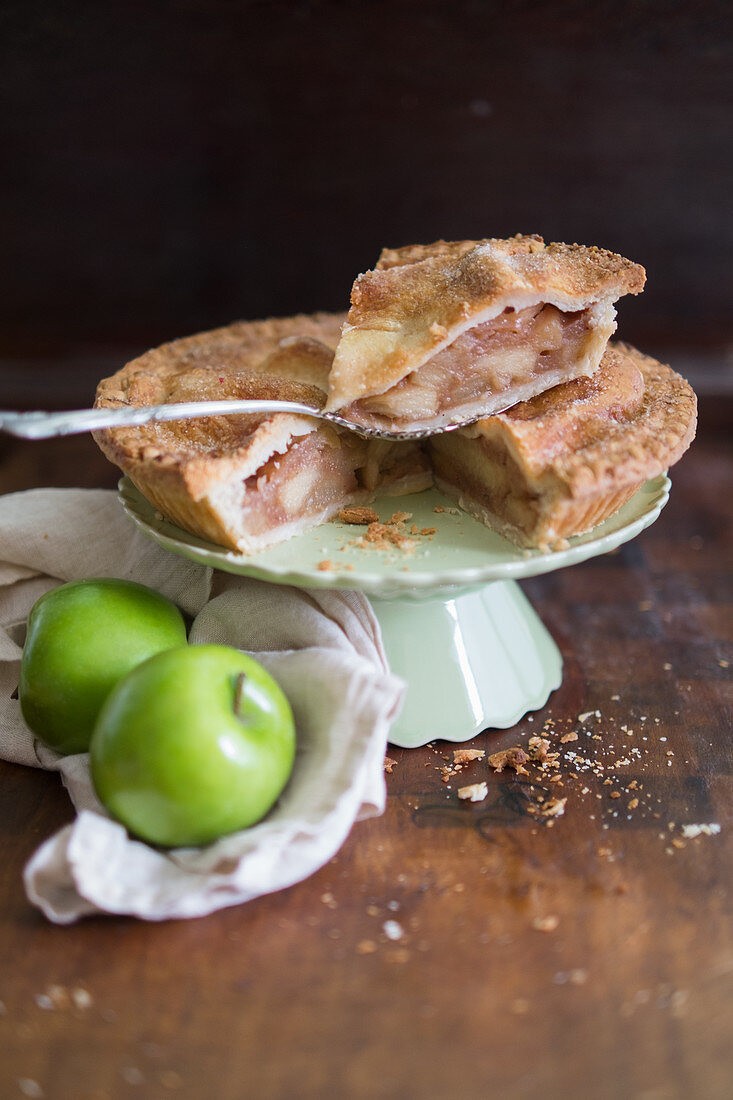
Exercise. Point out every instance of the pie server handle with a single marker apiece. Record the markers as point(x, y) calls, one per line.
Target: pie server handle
point(45, 425)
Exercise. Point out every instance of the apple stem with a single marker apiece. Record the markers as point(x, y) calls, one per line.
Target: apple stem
point(239, 693)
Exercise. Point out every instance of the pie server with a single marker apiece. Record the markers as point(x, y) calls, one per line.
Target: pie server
point(44, 425)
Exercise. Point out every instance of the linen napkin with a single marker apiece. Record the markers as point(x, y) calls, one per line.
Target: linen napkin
point(323, 647)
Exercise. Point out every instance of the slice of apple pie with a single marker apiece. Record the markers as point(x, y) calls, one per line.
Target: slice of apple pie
point(455, 330)
point(246, 482)
point(559, 464)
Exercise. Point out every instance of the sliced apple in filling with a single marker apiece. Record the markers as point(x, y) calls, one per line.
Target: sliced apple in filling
point(441, 333)
point(246, 482)
point(561, 463)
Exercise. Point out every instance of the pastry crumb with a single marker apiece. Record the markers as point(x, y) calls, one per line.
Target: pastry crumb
point(539, 749)
point(689, 832)
point(554, 807)
point(326, 566)
point(463, 756)
point(474, 792)
point(509, 758)
point(359, 516)
point(386, 535)
point(546, 924)
point(403, 542)
point(389, 764)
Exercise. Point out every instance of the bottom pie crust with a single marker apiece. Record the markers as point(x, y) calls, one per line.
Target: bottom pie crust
point(553, 532)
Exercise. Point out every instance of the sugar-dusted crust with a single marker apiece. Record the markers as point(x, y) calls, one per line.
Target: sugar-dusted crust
point(572, 456)
point(563, 461)
point(628, 423)
point(420, 299)
point(204, 473)
point(184, 467)
point(284, 358)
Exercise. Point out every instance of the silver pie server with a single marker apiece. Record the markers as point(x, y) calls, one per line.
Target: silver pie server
point(45, 425)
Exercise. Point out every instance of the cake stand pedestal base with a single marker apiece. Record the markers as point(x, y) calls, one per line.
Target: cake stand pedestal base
point(475, 659)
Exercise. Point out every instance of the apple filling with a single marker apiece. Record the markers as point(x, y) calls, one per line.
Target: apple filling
point(502, 357)
point(309, 481)
point(489, 477)
point(401, 467)
point(321, 472)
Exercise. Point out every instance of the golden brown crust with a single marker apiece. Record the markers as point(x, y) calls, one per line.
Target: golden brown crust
point(282, 358)
point(419, 299)
point(208, 474)
point(575, 454)
point(629, 422)
point(579, 451)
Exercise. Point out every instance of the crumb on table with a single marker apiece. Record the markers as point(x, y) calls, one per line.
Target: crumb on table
point(509, 758)
point(463, 756)
point(474, 792)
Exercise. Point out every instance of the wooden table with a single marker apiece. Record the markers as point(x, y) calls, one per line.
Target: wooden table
point(584, 956)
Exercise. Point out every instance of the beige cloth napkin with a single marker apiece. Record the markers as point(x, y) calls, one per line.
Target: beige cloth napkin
point(324, 648)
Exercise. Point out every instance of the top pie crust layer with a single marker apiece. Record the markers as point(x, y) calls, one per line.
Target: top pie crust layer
point(282, 358)
point(420, 299)
point(626, 424)
point(548, 468)
point(246, 481)
point(559, 464)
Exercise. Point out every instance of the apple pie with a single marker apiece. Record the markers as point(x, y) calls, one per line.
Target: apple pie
point(513, 334)
point(247, 481)
point(456, 330)
point(559, 464)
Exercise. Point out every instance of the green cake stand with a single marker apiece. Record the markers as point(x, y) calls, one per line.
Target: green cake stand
point(456, 625)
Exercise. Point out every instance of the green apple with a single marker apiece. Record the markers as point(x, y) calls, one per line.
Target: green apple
point(82, 638)
point(193, 744)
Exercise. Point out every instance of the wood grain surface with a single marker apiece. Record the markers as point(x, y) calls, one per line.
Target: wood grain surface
point(585, 956)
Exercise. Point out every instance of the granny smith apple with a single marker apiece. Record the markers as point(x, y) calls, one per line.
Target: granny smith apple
point(82, 638)
point(193, 744)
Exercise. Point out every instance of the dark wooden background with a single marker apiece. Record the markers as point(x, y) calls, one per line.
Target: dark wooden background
point(170, 166)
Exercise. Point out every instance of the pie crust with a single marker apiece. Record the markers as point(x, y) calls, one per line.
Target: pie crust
point(561, 463)
point(548, 468)
point(246, 482)
point(450, 331)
